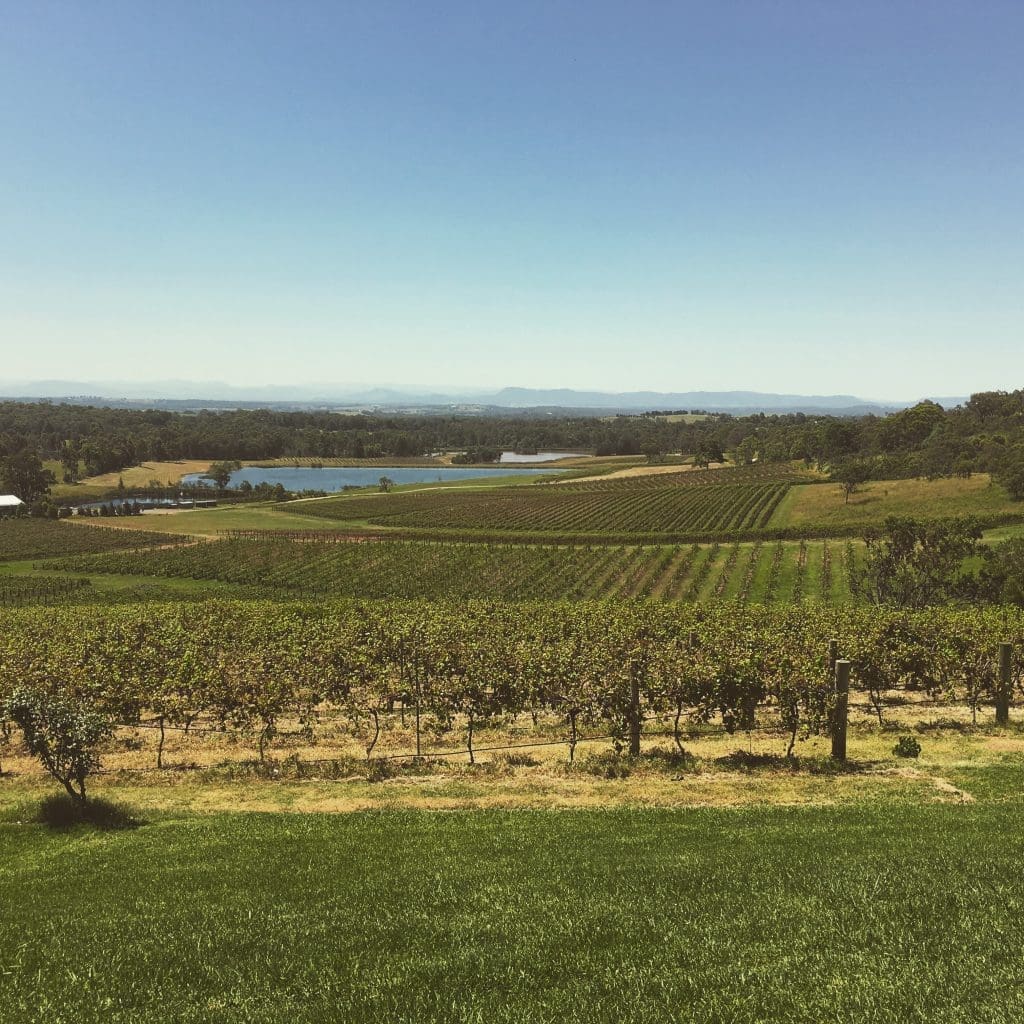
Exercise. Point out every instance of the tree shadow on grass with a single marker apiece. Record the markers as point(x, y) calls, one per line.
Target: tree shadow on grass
point(60, 812)
point(742, 760)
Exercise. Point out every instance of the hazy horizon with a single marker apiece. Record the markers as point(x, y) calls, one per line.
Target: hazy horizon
point(283, 392)
point(797, 198)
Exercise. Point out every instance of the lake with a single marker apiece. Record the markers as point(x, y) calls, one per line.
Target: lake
point(338, 478)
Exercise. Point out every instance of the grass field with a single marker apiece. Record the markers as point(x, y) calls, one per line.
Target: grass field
point(95, 487)
point(876, 911)
point(821, 506)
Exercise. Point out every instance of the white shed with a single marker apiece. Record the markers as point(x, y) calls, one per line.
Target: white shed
point(10, 501)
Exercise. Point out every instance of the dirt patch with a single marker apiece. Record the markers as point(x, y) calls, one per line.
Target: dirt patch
point(944, 786)
point(623, 474)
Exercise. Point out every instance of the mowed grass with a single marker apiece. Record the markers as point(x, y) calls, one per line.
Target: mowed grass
point(811, 506)
point(880, 912)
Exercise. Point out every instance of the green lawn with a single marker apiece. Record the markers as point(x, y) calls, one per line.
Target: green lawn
point(871, 912)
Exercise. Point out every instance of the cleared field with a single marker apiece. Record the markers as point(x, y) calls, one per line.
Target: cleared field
point(165, 473)
point(878, 911)
point(822, 506)
point(753, 572)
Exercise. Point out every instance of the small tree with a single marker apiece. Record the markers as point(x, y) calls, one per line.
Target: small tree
point(385, 483)
point(851, 475)
point(220, 473)
point(62, 734)
point(915, 563)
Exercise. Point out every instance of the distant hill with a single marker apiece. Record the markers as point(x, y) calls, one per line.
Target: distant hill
point(184, 395)
point(707, 401)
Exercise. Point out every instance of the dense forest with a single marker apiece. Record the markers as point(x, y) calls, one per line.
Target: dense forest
point(986, 434)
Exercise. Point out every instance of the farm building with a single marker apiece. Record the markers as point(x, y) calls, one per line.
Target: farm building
point(10, 505)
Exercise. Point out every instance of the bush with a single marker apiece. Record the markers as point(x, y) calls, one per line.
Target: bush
point(607, 765)
point(907, 747)
point(63, 733)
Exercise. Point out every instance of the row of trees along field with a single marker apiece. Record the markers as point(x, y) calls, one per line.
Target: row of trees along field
point(249, 666)
point(985, 434)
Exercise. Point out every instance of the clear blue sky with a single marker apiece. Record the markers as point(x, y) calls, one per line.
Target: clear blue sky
point(787, 196)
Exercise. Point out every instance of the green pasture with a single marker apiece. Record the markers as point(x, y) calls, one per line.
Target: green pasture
point(874, 911)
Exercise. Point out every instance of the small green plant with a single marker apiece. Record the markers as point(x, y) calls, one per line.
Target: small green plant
point(608, 764)
point(518, 759)
point(907, 746)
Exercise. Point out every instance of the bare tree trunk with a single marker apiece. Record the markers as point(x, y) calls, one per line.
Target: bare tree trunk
point(675, 728)
point(160, 747)
point(792, 738)
point(264, 735)
point(376, 732)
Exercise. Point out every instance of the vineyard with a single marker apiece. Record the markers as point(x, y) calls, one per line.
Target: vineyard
point(551, 672)
point(568, 508)
point(45, 538)
point(18, 590)
point(766, 474)
point(748, 573)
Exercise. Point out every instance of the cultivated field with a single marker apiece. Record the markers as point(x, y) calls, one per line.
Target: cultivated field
point(752, 572)
point(42, 538)
point(636, 506)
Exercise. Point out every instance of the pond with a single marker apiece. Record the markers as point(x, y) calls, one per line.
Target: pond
point(514, 457)
point(338, 478)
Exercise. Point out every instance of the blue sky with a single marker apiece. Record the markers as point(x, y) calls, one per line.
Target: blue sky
point(814, 197)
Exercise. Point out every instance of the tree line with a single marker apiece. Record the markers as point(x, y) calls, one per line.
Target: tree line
point(985, 434)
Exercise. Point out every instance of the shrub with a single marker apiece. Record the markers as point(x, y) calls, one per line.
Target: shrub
point(63, 734)
point(606, 765)
point(907, 746)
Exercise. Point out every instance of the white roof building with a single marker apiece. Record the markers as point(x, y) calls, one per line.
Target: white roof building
point(10, 501)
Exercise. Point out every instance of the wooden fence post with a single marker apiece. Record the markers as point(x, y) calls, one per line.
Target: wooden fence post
point(634, 716)
point(1005, 686)
point(842, 692)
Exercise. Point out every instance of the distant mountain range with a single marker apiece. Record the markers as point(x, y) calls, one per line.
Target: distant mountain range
point(186, 395)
